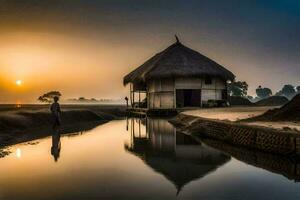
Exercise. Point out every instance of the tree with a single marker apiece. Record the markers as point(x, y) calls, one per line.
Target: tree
point(298, 89)
point(288, 91)
point(238, 88)
point(263, 92)
point(81, 98)
point(48, 97)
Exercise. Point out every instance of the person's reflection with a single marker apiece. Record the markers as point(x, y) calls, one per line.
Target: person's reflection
point(55, 149)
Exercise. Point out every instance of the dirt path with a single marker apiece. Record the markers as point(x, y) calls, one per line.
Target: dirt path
point(229, 113)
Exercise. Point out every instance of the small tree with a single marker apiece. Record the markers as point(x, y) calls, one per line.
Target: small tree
point(263, 92)
point(48, 97)
point(288, 91)
point(239, 88)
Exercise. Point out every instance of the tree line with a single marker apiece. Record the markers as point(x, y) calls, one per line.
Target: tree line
point(240, 88)
point(48, 98)
point(236, 88)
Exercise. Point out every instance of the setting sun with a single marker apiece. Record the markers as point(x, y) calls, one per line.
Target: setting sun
point(18, 82)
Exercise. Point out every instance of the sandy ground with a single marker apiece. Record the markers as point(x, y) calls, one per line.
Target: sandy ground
point(278, 125)
point(238, 113)
point(229, 113)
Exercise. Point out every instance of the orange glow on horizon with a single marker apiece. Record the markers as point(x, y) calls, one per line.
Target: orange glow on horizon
point(74, 66)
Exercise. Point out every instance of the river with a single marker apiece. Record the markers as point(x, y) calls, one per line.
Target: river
point(136, 159)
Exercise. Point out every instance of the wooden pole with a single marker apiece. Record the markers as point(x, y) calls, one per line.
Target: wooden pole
point(131, 95)
point(139, 98)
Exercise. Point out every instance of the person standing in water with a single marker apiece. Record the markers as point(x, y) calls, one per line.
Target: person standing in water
point(56, 112)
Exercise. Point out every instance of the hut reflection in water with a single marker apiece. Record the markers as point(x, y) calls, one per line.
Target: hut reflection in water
point(176, 156)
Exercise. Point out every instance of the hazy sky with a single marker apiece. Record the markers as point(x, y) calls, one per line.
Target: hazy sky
point(84, 48)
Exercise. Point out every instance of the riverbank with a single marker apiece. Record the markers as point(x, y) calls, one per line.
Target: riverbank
point(250, 115)
point(28, 122)
point(278, 141)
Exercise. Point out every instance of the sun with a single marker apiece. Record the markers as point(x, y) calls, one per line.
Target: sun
point(19, 82)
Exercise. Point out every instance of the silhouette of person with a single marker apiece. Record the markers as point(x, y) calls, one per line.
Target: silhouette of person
point(56, 112)
point(55, 149)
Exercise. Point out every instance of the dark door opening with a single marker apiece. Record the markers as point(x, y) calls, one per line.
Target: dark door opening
point(188, 98)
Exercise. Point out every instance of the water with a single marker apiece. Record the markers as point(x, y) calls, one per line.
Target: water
point(149, 161)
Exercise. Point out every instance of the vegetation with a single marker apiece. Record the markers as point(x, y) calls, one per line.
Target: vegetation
point(85, 99)
point(288, 91)
point(263, 93)
point(298, 89)
point(91, 100)
point(48, 97)
point(238, 88)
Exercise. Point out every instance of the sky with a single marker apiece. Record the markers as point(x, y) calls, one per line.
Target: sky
point(86, 47)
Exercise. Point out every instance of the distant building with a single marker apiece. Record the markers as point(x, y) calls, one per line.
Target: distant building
point(178, 77)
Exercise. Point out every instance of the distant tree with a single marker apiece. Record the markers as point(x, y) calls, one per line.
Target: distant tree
point(263, 92)
point(48, 97)
point(298, 89)
point(288, 91)
point(238, 88)
point(81, 98)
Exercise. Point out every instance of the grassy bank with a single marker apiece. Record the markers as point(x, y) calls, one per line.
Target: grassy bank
point(20, 124)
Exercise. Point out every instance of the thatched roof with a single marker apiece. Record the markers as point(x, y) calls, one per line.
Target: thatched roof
point(177, 61)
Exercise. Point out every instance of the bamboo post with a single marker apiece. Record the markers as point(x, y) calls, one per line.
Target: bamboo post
point(139, 98)
point(131, 95)
point(133, 98)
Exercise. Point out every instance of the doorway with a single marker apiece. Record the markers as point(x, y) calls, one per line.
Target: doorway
point(188, 98)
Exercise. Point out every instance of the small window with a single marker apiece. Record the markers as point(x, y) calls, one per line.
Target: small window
point(208, 81)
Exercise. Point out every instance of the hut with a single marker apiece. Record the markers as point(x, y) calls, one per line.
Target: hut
point(178, 77)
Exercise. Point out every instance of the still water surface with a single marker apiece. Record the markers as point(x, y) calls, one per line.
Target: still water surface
point(150, 160)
